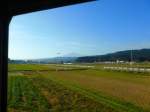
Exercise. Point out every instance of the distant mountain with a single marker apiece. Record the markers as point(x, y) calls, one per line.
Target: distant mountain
point(72, 55)
point(137, 55)
point(45, 60)
point(140, 55)
point(54, 60)
point(68, 58)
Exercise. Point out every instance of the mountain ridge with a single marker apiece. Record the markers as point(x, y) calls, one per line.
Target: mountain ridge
point(138, 55)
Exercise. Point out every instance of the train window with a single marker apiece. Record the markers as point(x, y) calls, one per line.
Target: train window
point(92, 57)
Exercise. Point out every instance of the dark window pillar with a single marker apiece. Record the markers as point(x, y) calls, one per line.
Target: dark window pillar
point(4, 27)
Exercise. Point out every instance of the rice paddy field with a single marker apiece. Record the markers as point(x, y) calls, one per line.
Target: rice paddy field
point(77, 88)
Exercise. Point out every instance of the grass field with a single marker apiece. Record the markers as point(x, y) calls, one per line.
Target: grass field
point(59, 88)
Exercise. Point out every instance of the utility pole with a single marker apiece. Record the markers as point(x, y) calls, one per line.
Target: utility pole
point(131, 57)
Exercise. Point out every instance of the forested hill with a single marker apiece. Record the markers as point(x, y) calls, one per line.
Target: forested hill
point(137, 55)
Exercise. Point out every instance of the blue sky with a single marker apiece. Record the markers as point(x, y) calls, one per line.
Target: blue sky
point(92, 28)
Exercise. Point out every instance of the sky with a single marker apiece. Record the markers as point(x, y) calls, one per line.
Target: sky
point(94, 28)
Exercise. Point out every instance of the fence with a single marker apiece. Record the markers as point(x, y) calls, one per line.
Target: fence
point(128, 69)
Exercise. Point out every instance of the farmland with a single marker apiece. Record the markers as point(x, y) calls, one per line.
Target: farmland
point(77, 88)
